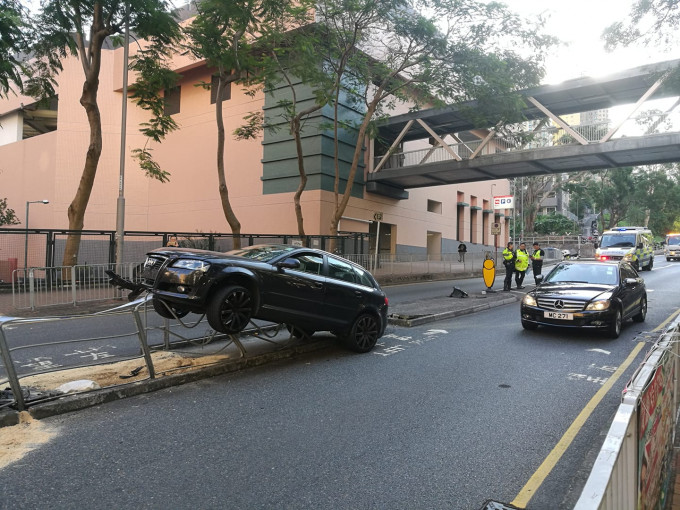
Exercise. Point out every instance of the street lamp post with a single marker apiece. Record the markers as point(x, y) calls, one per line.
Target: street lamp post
point(26, 240)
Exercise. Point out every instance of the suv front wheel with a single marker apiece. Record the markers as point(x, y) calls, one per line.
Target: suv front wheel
point(230, 309)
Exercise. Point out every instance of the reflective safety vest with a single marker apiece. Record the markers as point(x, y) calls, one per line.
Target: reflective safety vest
point(522, 262)
point(508, 255)
point(537, 254)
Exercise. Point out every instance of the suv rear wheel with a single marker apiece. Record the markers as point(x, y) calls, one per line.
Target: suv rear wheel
point(364, 333)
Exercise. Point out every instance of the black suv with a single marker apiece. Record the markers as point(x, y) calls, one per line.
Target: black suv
point(309, 290)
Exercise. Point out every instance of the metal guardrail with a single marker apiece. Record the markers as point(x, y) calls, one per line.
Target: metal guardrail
point(24, 353)
point(633, 467)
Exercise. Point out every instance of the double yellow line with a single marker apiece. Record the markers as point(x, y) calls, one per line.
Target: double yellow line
point(555, 455)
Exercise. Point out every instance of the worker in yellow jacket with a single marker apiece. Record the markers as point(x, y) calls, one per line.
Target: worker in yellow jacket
point(521, 264)
point(509, 263)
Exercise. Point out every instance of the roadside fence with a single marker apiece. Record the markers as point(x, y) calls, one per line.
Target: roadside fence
point(39, 287)
point(634, 467)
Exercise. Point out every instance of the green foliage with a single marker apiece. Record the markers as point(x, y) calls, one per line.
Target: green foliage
point(151, 168)
point(13, 40)
point(647, 196)
point(648, 22)
point(554, 224)
point(7, 216)
point(253, 126)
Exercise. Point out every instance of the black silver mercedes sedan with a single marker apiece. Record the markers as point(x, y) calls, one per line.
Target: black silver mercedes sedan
point(588, 295)
point(307, 289)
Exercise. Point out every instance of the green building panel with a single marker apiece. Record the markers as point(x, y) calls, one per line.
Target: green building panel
point(279, 161)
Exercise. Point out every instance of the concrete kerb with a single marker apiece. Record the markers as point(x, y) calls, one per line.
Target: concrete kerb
point(406, 321)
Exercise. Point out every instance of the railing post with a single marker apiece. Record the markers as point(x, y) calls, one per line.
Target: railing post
point(11, 372)
point(31, 289)
point(73, 284)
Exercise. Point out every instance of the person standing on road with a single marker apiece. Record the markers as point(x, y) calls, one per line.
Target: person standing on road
point(521, 264)
point(509, 263)
point(461, 252)
point(537, 261)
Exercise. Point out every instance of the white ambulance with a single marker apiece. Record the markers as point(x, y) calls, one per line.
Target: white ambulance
point(672, 248)
point(634, 244)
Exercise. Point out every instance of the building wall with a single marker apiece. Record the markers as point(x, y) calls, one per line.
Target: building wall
point(260, 180)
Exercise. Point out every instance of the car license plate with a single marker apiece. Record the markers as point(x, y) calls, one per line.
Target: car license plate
point(559, 315)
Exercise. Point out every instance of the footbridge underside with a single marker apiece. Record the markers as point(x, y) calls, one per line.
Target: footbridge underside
point(621, 152)
point(569, 127)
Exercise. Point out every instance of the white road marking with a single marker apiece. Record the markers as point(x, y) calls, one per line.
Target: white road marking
point(435, 332)
point(599, 350)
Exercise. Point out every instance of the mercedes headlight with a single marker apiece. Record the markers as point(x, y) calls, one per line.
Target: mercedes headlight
point(191, 264)
point(599, 305)
point(628, 256)
point(529, 300)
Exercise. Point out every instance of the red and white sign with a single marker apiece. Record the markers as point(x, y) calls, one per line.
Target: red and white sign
point(504, 202)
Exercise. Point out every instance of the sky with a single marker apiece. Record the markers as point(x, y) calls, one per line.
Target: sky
point(580, 24)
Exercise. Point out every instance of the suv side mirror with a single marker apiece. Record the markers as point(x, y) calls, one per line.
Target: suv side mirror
point(539, 279)
point(289, 263)
point(640, 246)
point(629, 282)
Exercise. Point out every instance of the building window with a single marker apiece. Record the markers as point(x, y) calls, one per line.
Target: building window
point(434, 206)
point(226, 90)
point(551, 210)
point(172, 97)
point(551, 194)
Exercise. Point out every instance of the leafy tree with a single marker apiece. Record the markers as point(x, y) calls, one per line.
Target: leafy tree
point(79, 28)
point(648, 22)
point(13, 41)
point(427, 52)
point(238, 39)
point(554, 224)
point(7, 216)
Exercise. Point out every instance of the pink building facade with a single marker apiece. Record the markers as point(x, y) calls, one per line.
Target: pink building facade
point(42, 151)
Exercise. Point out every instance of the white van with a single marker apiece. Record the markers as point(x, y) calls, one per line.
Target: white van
point(672, 248)
point(634, 244)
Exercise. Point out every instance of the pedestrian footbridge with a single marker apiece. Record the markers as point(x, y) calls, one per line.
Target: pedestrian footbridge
point(625, 119)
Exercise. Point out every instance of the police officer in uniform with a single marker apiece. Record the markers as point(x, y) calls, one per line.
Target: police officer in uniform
point(521, 264)
point(537, 261)
point(509, 263)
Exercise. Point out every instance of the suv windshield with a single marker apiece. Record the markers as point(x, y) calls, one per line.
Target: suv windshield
point(263, 253)
point(600, 274)
point(617, 241)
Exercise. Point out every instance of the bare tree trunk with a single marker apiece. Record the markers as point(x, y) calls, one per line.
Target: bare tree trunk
point(224, 191)
point(342, 205)
point(88, 99)
point(295, 126)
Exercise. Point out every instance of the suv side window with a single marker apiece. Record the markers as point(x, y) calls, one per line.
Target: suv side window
point(339, 270)
point(363, 278)
point(310, 263)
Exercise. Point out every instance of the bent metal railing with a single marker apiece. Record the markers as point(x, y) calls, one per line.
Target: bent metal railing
point(29, 349)
point(634, 466)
